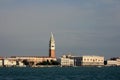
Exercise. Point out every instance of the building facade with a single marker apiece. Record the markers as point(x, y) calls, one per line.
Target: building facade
point(115, 62)
point(35, 59)
point(1, 61)
point(92, 60)
point(67, 60)
point(77, 60)
point(8, 62)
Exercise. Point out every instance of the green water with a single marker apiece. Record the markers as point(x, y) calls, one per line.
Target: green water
point(61, 73)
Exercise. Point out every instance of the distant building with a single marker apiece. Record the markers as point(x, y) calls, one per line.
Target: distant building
point(77, 60)
point(8, 62)
point(92, 60)
point(1, 61)
point(20, 64)
point(35, 59)
point(113, 62)
point(67, 60)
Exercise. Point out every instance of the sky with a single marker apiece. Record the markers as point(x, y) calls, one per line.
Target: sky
point(80, 27)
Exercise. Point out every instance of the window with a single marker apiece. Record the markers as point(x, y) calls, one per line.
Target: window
point(52, 46)
point(87, 59)
point(84, 59)
point(90, 59)
point(96, 59)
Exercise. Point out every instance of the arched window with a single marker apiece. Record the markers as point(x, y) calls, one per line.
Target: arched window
point(84, 59)
point(87, 59)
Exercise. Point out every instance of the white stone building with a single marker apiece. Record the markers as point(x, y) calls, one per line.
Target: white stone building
point(1, 62)
point(115, 62)
point(92, 60)
point(66, 60)
point(9, 62)
point(20, 64)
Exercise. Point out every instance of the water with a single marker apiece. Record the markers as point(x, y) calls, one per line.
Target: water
point(61, 73)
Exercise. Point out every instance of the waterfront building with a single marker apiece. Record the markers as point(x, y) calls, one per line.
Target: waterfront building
point(113, 62)
point(1, 61)
point(77, 60)
point(8, 62)
point(20, 64)
point(92, 60)
point(35, 59)
point(67, 60)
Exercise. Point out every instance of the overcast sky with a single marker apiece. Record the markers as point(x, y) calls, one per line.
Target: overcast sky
point(80, 27)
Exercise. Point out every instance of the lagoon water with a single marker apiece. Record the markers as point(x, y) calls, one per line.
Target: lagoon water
point(60, 73)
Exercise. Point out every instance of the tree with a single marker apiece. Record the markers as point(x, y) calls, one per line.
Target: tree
point(25, 62)
point(17, 62)
point(31, 63)
point(54, 62)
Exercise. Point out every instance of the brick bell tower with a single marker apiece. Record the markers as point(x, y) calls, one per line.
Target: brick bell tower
point(52, 46)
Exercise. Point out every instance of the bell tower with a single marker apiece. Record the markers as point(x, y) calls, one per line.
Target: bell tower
point(52, 46)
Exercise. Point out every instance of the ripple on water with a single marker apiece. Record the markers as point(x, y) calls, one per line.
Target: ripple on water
point(58, 73)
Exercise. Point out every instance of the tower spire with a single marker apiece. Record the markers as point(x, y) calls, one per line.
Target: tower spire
point(52, 37)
